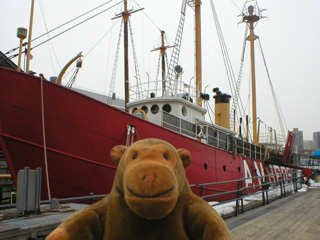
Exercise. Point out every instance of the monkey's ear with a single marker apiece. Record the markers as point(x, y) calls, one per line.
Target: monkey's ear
point(185, 156)
point(116, 153)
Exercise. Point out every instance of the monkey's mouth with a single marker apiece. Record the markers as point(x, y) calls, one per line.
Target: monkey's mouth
point(150, 196)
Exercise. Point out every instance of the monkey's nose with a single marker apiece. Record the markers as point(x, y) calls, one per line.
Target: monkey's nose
point(148, 178)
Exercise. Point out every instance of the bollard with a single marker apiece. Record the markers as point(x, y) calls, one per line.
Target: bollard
point(54, 203)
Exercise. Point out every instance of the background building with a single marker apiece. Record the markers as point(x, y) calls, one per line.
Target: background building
point(308, 145)
point(298, 141)
point(316, 140)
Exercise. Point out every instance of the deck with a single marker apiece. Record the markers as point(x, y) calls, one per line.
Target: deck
point(295, 217)
point(34, 226)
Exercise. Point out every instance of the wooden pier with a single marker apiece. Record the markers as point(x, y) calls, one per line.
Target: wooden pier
point(296, 216)
point(34, 226)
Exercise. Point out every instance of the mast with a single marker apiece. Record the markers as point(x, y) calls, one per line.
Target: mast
point(125, 15)
point(198, 51)
point(30, 36)
point(251, 19)
point(163, 53)
point(163, 49)
point(126, 54)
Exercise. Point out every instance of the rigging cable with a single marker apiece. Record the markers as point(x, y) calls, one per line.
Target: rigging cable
point(236, 5)
point(139, 87)
point(115, 66)
point(158, 70)
point(71, 20)
point(147, 16)
point(276, 102)
point(105, 96)
point(50, 46)
point(77, 24)
point(226, 59)
point(73, 78)
point(234, 86)
point(238, 83)
point(12, 50)
point(95, 45)
point(209, 107)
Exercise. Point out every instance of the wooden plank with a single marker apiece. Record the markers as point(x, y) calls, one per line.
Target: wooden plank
point(294, 217)
point(35, 225)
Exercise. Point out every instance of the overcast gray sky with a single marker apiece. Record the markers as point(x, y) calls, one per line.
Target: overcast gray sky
point(289, 38)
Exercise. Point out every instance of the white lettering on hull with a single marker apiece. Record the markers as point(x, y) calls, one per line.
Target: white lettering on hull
point(261, 171)
point(247, 174)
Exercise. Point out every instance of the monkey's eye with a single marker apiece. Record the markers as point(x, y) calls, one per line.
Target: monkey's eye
point(165, 156)
point(134, 156)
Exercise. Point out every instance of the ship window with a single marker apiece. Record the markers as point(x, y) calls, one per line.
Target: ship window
point(224, 168)
point(205, 166)
point(133, 110)
point(184, 111)
point(155, 109)
point(223, 140)
point(239, 169)
point(145, 109)
point(167, 108)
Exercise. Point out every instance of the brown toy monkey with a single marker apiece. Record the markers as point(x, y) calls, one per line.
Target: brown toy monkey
point(150, 199)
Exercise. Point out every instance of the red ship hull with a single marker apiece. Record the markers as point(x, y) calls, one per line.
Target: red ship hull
point(81, 131)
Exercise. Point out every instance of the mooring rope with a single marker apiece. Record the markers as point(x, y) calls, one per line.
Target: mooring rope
point(44, 140)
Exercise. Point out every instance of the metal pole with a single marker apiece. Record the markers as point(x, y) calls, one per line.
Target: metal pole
point(201, 190)
point(198, 51)
point(25, 190)
point(38, 190)
point(20, 53)
point(253, 83)
point(251, 19)
point(126, 54)
point(284, 185)
point(163, 53)
point(30, 36)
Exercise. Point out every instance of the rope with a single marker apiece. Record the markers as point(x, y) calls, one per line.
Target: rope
point(77, 24)
point(47, 33)
point(70, 20)
point(209, 107)
point(44, 140)
point(115, 66)
point(98, 42)
point(236, 5)
point(147, 16)
point(95, 45)
point(48, 36)
point(224, 50)
point(282, 122)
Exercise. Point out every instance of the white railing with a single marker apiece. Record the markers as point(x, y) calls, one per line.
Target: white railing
point(155, 87)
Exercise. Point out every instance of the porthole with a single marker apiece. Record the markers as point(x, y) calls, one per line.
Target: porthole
point(133, 110)
point(184, 111)
point(145, 109)
point(166, 108)
point(224, 168)
point(239, 169)
point(205, 166)
point(155, 109)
